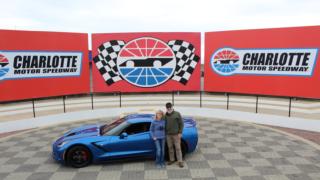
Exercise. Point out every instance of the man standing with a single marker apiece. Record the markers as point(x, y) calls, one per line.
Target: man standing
point(174, 127)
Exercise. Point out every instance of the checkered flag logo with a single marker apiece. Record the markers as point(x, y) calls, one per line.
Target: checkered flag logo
point(186, 60)
point(106, 60)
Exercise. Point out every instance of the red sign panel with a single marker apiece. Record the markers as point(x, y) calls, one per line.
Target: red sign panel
point(42, 64)
point(278, 62)
point(146, 62)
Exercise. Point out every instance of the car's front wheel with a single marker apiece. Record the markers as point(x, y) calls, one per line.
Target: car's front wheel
point(78, 156)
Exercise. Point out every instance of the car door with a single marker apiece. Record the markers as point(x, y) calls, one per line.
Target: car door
point(138, 142)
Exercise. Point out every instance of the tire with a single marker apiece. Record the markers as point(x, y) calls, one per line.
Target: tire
point(183, 151)
point(78, 156)
point(183, 148)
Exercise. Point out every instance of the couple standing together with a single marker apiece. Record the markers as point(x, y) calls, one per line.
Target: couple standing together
point(167, 127)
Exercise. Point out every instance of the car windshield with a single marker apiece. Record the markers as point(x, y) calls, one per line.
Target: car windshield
point(113, 128)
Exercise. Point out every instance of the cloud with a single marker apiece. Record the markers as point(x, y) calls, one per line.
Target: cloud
point(156, 16)
point(164, 15)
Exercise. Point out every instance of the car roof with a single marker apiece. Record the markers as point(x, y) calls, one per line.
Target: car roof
point(139, 118)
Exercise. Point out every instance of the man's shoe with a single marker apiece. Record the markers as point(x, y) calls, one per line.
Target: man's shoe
point(170, 162)
point(181, 164)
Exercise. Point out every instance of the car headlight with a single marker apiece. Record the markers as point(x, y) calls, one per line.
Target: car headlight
point(62, 144)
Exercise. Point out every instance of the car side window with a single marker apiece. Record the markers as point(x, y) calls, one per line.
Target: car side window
point(137, 128)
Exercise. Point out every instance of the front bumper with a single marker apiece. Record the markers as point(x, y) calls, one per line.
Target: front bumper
point(57, 154)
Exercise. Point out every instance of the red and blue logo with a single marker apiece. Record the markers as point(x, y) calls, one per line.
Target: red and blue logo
point(225, 61)
point(4, 66)
point(146, 62)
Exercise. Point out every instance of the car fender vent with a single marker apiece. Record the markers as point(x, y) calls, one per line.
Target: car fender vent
point(71, 134)
point(95, 144)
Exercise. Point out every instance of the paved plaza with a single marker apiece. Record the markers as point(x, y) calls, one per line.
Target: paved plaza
point(226, 150)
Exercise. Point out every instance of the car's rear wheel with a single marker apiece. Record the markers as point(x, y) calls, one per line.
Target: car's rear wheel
point(183, 148)
point(78, 156)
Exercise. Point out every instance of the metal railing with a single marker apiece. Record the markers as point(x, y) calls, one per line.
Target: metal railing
point(199, 99)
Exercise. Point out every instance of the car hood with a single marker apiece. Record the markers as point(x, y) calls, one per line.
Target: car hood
point(81, 132)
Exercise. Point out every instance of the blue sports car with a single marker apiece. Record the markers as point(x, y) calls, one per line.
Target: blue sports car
point(127, 137)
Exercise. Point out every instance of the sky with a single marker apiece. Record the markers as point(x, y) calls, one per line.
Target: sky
point(105, 16)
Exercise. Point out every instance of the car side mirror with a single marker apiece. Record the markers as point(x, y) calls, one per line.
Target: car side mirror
point(123, 135)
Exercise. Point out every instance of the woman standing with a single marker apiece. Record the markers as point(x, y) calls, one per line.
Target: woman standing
point(157, 130)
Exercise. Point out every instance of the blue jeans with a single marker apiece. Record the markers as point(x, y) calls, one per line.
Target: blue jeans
point(160, 151)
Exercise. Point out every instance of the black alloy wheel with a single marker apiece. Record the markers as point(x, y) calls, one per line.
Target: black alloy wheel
point(78, 156)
